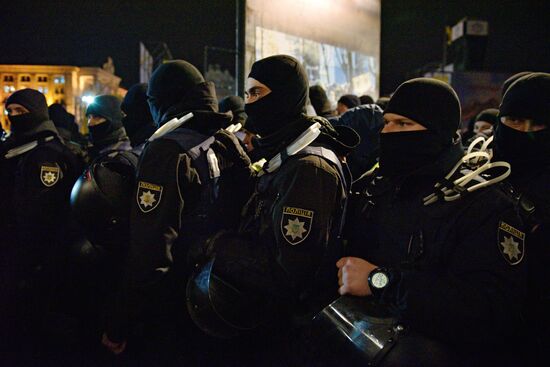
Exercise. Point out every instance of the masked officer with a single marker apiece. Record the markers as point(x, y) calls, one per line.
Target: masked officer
point(36, 174)
point(522, 137)
point(178, 178)
point(449, 260)
point(287, 237)
point(137, 121)
point(100, 203)
point(105, 125)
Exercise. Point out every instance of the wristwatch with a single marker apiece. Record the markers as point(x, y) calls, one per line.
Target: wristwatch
point(378, 280)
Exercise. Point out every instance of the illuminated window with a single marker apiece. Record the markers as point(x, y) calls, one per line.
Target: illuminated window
point(59, 79)
point(43, 90)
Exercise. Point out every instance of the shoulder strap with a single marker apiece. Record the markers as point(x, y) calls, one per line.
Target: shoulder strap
point(17, 151)
point(213, 164)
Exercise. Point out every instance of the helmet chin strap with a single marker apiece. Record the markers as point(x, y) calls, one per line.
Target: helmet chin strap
point(470, 168)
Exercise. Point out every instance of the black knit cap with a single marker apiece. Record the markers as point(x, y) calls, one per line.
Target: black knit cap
point(431, 103)
point(489, 115)
point(106, 106)
point(508, 82)
point(350, 100)
point(173, 79)
point(32, 100)
point(528, 97)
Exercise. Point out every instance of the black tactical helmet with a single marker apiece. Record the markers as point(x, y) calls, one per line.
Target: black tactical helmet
point(100, 199)
point(219, 308)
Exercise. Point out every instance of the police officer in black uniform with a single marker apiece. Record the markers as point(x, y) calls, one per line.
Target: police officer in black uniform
point(451, 265)
point(178, 178)
point(105, 125)
point(36, 174)
point(68, 130)
point(100, 203)
point(522, 137)
point(137, 121)
point(282, 255)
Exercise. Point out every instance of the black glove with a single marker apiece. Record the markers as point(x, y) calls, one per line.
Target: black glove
point(229, 151)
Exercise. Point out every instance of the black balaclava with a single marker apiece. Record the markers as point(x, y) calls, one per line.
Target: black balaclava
point(177, 87)
point(287, 79)
point(235, 104)
point(527, 98)
point(138, 122)
point(434, 105)
point(508, 82)
point(350, 100)
point(35, 102)
point(319, 100)
point(111, 130)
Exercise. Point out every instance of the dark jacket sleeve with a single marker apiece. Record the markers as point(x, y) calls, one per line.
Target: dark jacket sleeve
point(477, 296)
point(309, 196)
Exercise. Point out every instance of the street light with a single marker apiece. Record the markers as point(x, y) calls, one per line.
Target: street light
point(88, 99)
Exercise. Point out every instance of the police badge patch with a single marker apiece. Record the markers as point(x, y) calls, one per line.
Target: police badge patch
point(296, 224)
point(49, 175)
point(148, 196)
point(511, 243)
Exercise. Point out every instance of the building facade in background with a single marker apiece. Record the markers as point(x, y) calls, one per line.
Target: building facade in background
point(337, 41)
point(72, 86)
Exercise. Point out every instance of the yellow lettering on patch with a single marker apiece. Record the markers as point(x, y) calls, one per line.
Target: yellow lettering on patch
point(298, 211)
point(150, 186)
point(513, 231)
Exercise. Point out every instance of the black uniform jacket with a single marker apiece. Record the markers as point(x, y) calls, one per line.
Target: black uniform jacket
point(170, 203)
point(37, 173)
point(457, 268)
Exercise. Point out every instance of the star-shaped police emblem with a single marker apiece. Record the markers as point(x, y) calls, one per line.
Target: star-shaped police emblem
point(510, 248)
point(147, 199)
point(295, 229)
point(49, 177)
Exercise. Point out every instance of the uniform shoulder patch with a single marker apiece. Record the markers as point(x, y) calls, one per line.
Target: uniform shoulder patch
point(148, 196)
point(511, 243)
point(296, 224)
point(49, 174)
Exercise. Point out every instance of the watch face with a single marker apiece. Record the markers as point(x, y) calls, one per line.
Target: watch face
point(379, 280)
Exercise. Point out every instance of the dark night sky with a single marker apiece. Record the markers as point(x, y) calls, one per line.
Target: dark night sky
point(85, 32)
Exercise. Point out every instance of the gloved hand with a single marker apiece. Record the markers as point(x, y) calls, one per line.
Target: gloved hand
point(229, 151)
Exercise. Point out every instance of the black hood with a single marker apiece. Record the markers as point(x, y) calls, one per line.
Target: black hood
point(287, 79)
point(138, 122)
point(177, 87)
